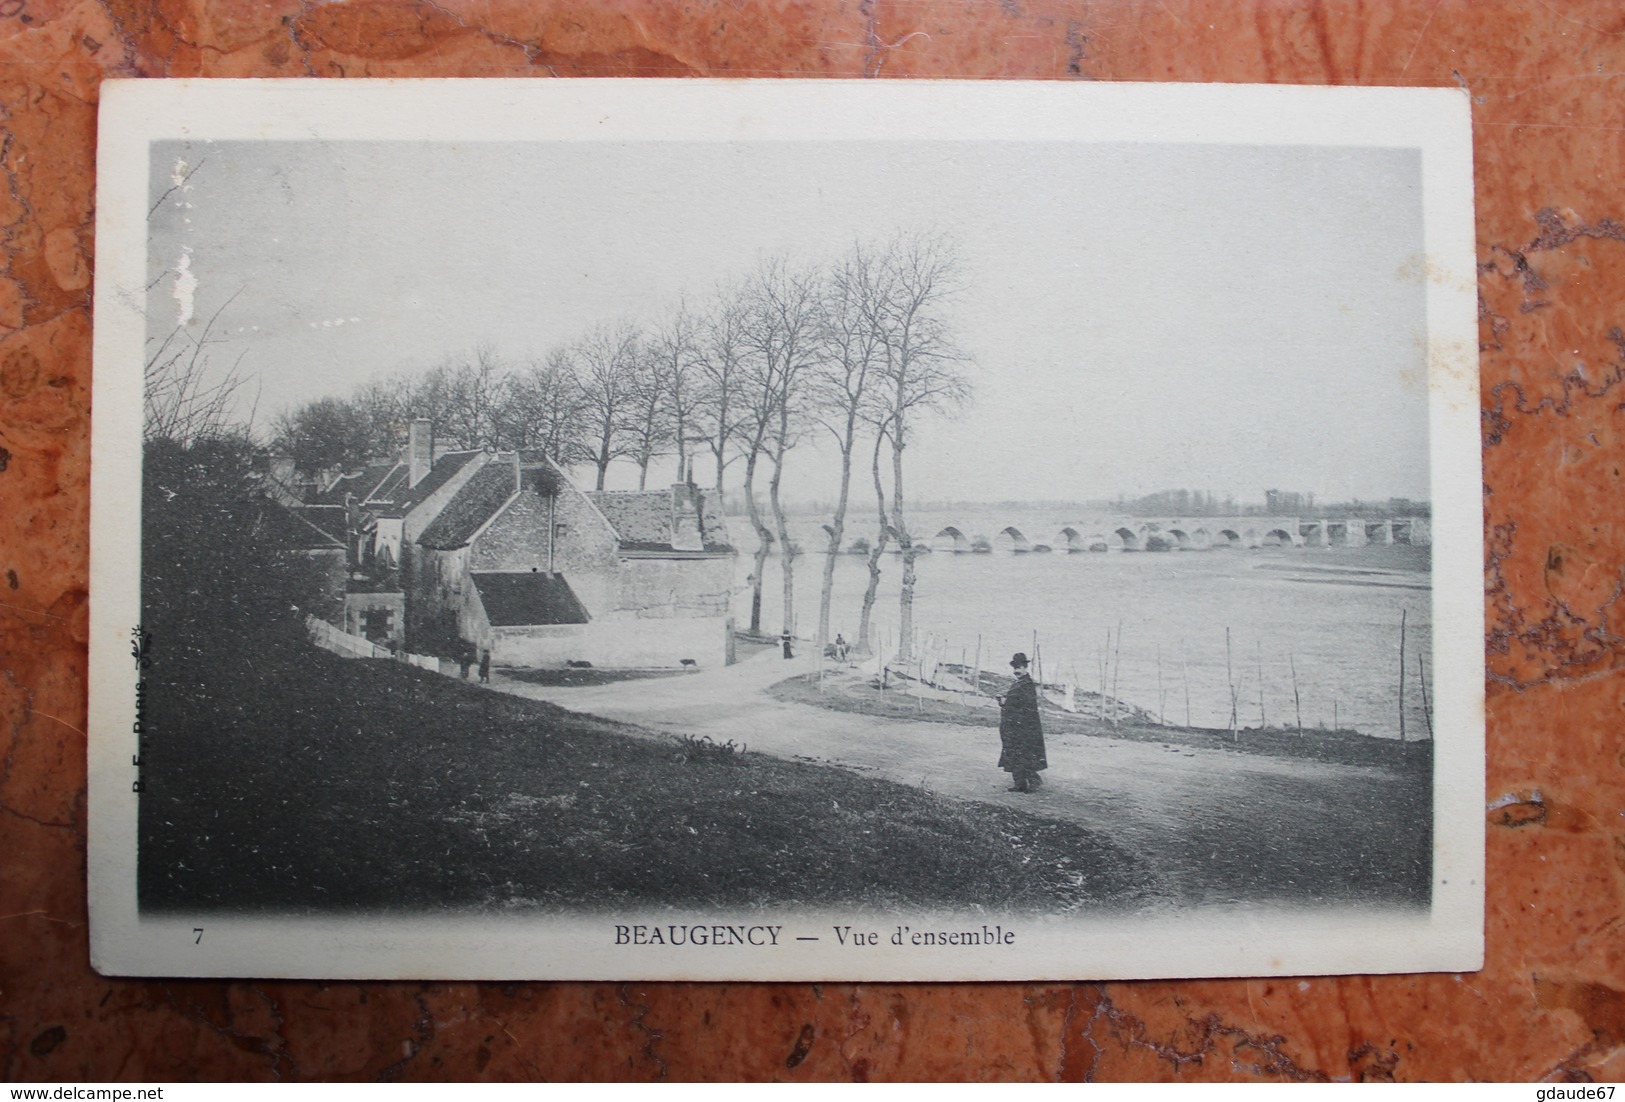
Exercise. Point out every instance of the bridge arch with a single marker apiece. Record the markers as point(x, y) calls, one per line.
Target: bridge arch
point(950, 539)
point(1344, 533)
point(1010, 538)
point(1227, 537)
point(1277, 537)
point(1070, 539)
point(1128, 539)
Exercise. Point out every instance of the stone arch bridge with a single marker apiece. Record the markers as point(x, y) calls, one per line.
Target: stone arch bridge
point(1192, 534)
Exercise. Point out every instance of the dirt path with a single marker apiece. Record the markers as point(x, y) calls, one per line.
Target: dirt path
point(1189, 811)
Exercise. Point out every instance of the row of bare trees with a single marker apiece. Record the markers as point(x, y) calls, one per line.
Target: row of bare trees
point(852, 352)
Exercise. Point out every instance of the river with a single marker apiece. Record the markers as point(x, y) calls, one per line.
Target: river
point(1313, 632)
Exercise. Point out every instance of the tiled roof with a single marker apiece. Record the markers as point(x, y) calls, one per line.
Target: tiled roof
point(334, 494)
point(642, 519)
point(447, 466)
point(329, 518)
point(300, 529)
point(474, 504)
point(389, 486)
point(527, 600)
point(359, 484)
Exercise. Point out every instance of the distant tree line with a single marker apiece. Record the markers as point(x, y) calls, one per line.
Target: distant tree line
point(1185, 503)
point(1195, 503)
point(855, 351)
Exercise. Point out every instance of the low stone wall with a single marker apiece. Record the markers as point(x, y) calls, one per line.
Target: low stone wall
point(330, 638)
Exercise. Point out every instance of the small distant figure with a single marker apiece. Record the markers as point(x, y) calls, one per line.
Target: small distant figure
point(485, 667)
point(1020, 732)
point(464, 661)
point(784, 641)
point(840, 647)
point(689, 665)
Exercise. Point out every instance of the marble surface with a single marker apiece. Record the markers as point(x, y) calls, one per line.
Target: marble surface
point(1549, 127)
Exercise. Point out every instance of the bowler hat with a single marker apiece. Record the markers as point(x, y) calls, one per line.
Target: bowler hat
point(1018, 660)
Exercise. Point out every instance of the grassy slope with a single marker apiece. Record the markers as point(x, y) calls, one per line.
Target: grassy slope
point(297, 781)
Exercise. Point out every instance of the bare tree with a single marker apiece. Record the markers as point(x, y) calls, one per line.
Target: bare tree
point(782, 319)
point(882, 535)
point(432, 396)
point(543, 409)
point(850, 350)
point(385, 404)
point(720, 407)
point(923, 372)
point(474, 386)
point(675, 347)
point(650, 427)
point(758, 401)
point(187, 397)
point(605, 371)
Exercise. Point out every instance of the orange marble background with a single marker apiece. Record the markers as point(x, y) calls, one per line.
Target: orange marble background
point(1547, 78)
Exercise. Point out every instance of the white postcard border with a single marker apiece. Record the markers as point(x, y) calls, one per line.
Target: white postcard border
point(1198, 943)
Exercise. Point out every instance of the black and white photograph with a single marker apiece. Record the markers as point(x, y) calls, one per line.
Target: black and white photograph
point(705, 530)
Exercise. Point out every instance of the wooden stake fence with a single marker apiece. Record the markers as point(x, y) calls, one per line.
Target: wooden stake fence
point(1297, 702)
point(1230, 679)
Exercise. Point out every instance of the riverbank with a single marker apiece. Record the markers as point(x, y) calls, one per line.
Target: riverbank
point(844, 689)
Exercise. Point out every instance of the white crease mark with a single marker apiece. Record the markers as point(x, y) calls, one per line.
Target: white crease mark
point(185, 288)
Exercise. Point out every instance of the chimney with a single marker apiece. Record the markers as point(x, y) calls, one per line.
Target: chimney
point(686, 534)
point(419, 450)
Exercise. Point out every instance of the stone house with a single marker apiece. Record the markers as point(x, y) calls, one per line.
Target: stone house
point(383, 508)
point(520, 563)
point(467, 551)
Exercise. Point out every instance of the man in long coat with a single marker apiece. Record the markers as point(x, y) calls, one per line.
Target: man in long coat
point(1020, 731)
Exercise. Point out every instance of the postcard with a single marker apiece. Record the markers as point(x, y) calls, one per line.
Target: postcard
point(784, 530)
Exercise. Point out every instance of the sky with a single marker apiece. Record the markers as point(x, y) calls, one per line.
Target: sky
point(1139, 316)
